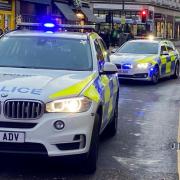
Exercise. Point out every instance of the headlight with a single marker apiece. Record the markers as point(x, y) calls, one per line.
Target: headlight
point(151, 37)
point(143, 65)
point(70, 105)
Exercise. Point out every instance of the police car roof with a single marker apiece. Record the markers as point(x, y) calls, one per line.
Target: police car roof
point(71, 35)
point(146, 40)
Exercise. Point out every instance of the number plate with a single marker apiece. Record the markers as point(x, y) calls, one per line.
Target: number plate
point(12, 137)
point(123, 71)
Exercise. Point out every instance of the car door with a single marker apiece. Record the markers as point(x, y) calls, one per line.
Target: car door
point(165, 64)
point(173, 56)
point(105, 83)
point(109, 83)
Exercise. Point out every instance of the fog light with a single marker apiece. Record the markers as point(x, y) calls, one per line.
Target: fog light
point(59, 125)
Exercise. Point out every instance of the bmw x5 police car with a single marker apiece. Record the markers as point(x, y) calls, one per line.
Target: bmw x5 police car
point(147, 60)
point(58, 92)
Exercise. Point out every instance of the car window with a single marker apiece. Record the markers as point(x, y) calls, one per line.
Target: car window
point(139, 48)
point(99, 52)
point(170, 49)
point(105, 51)
point(100, 56)
point(45, 53)
point(163, 48)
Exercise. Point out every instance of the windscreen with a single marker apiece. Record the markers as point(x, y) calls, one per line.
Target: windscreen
point(139, 48)
point(45, 53)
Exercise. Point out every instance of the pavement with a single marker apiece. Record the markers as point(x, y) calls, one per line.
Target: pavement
point(145, 147)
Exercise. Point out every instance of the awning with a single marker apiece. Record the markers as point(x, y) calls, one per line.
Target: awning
point(47, 2)
point(66, 11)
point(89, 14)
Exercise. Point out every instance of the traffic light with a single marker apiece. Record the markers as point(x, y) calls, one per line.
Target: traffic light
point(144, 16)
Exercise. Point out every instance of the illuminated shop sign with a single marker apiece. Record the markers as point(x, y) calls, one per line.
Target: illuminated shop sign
point(5, 4)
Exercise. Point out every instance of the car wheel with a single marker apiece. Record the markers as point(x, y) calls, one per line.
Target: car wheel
point(89, 165)
point(155, 76)
point(112, 127)
point(176, 71)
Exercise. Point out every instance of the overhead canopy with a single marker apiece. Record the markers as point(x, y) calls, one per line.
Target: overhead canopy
point(66, 11)
point(89, 14)
point(47, 2)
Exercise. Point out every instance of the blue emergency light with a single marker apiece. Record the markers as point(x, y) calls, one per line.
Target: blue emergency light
point(49, 25)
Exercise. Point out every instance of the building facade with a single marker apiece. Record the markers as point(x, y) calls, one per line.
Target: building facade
point(63, 11)
point(7, 14)
point(163, 16)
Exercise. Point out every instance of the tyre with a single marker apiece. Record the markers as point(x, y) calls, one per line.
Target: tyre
point(155, 76)
point(89, 165)
point(176, 71)
point(112, 127)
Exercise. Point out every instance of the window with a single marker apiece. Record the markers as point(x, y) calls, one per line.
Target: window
point(163, 48)
point(100, 56)
point(169, 48)
point(139, 48)
point(105, 54)
point(45, 53)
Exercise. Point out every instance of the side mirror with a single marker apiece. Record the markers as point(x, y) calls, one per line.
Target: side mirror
point(165, 53)
point(109, 68)
point(113, 50)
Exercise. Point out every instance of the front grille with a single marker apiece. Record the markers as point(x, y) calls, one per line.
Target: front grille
point(23, 148)
point(17, 125)
point(141, 75)
point(23, 109)
point(118, 66)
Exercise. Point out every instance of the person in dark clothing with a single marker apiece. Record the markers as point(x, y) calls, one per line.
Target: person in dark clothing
point(107, 39)
point(105, 36)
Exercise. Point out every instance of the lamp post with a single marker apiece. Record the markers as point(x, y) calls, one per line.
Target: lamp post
point(123, 7)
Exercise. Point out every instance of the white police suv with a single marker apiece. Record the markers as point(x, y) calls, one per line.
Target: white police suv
point(58, 92)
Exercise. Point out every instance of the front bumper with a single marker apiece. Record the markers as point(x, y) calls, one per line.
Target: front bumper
point(136, 74)
point(139, 76)
point(43, 138)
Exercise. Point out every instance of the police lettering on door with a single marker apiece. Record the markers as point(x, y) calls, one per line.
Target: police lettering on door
point(22, 90)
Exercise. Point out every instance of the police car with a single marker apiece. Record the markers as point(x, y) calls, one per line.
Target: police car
point(147, 60)
point(58, 92)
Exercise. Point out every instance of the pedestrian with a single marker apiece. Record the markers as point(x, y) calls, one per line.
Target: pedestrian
point(114, 37)
point(107, 39)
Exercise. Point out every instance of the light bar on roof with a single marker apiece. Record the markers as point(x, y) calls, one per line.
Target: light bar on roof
point(52, 25)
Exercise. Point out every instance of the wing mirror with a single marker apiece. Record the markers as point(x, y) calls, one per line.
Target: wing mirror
point(165, 53)
point(109, 68)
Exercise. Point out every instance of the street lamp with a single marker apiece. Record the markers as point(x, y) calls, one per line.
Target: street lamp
point(123, 7)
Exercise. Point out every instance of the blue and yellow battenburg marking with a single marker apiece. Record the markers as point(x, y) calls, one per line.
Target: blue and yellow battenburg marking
point(97, 88)
point(167, 63)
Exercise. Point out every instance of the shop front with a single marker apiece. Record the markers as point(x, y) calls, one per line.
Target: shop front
point(7, 15)
point(32, 11)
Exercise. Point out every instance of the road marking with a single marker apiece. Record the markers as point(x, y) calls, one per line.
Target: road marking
point(178, 151)
point(135, 100)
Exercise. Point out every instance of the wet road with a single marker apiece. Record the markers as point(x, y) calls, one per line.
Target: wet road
point(142, 149)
